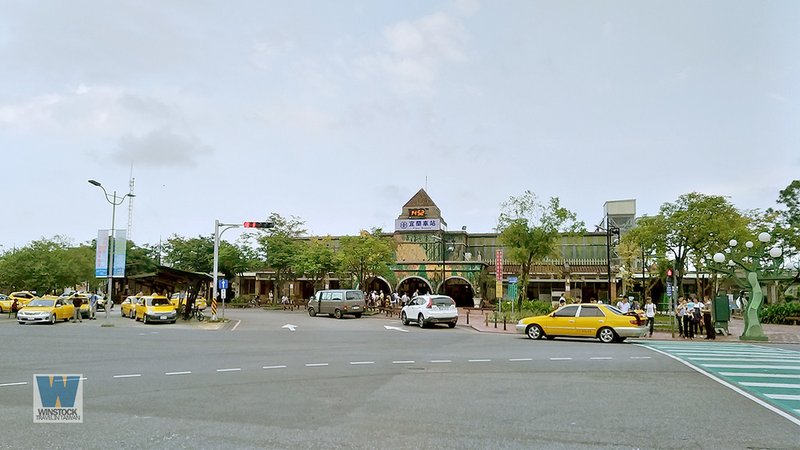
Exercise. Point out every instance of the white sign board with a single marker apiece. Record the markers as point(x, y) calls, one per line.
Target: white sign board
point(418, 225)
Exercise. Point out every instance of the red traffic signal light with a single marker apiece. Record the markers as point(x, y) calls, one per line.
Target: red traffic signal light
point(258, 224)
point(669, 272)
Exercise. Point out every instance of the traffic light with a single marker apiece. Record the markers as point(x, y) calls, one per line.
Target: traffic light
point(259, 224)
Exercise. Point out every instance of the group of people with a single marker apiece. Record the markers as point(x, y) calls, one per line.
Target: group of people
point(694, 318)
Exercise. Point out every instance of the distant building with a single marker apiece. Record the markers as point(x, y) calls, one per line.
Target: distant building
point(432, 258)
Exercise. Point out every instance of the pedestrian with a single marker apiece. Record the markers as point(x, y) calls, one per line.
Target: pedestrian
point(14, 308)
point(680, 311)
point(624, 306)
point(650, 313)
point(77, 302)
point(711, 333)
point(404, 299)
point(561, 300)
point(93, 307)
point(700, 304)
point(285, 301)
point(271, 299)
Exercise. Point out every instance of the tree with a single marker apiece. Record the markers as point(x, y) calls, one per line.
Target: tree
point(315, 260)
point(530, 232)
point(197, 255)
point(786, 227)
point(690, 229)
point(366, 255)
point(47, 266)
point(280, 246)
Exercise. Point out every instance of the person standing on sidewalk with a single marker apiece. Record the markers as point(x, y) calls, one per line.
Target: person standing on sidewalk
point(688, 330)
point(711, 333)
point(93, 306)
point(650, 312)
point(680, 311)
point(77, 302)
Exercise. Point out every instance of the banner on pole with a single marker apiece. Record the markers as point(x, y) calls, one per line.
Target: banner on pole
point(101, 255)
point(120, 250)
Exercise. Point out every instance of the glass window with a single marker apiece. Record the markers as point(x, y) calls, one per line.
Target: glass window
point(591, 311)
point(567, 311)
point(354, 295)
point(614, 310)
point(336, 296)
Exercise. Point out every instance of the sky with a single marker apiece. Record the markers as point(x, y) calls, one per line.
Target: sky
point(338, 112)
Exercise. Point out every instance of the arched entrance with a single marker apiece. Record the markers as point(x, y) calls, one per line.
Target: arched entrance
point(410, 285)
point(460, 290)
point(377, 284)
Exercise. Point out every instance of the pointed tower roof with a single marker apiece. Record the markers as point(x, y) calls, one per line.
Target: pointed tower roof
point(420, 200)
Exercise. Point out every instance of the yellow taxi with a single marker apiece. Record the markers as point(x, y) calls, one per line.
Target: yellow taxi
point(179, 299)
point(155, 308)
point(588, 320)
point(22, 298)
point(48, 309)
point(5, 303)
point(84, 302)
point(128, 306)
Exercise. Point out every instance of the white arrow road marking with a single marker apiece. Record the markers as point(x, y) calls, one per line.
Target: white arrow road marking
point(290, 327)
point(236, 369)
point(19, 383)
point(177, 373)
point(395, 328)
point(132, 375)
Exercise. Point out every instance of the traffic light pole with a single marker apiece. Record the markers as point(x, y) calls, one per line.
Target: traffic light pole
point(217, 235)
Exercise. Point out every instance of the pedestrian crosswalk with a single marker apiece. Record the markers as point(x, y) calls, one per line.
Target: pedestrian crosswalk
point(770, 374)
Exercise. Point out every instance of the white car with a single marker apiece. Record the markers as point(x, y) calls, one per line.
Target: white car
point(430, 309)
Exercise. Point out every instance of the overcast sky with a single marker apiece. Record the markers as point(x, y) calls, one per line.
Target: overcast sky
point(337, 111)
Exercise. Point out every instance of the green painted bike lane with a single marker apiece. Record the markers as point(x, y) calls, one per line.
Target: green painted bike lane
point(771, 375)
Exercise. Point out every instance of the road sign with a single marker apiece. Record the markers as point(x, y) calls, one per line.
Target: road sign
point(222, 293)
point(512, 280)
point(669, 288)
point(223, 283)
point(498, 265)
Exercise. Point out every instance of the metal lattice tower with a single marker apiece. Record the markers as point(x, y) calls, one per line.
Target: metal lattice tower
point(130, 205)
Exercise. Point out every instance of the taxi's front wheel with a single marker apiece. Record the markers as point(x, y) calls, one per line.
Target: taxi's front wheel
point(534, 331)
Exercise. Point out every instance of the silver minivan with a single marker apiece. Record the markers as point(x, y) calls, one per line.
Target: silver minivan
point(337, 303)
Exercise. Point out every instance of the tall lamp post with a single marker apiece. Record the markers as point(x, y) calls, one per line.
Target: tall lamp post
point(609, 232)
point(751, 265)
point(115, 201)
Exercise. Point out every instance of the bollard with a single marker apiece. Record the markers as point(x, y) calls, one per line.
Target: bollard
point(467, 316)
point(504, 323)
point(495, 320)
point(485, 320)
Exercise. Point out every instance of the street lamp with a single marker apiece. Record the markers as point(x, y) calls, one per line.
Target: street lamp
point(609, 232)
point(115, 201)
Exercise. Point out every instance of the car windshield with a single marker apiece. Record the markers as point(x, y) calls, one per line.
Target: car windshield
point(443, 301)
point(41, 302)
point(355, 295)
point(159, 302)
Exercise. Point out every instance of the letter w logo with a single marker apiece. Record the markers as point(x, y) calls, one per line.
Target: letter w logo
point(58, 391)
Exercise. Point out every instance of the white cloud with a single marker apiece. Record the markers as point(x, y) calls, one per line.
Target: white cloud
point(161, 148)
point(416, 51)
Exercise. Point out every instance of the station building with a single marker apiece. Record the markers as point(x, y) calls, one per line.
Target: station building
point(431, 258)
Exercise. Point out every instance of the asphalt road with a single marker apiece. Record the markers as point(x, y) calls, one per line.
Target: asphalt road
point(353, 383)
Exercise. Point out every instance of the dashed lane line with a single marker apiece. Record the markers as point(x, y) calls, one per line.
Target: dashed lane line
point(19, 383)
point(479, 360)
point(274, 367)
point(402, 362)
point(601, 357)
point(185, 372)
point(233, 369)
point(560, 359)
point(316, 365)
point(130, 375)
point(361, 363)
point(434, 361)
point(520, 359)
point(640, 357)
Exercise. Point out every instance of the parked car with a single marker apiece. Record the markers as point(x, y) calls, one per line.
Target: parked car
point(5, 303)
point(604, 322)
point(337, 303)
point(22, 297)
point(128, 306)
point(84, 302)
point(155, 308)
point(430, 309)
point(48, 309)
point(179, 298)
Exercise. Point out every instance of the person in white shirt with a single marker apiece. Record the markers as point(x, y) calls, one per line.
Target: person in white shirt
point(650, 312)
point(624, 306)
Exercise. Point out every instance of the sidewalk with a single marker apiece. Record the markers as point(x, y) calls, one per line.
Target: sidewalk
point(778, 334)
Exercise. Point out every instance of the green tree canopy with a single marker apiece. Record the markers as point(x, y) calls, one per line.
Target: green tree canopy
point(48, 266)
point(530, 231)
point(366, 255)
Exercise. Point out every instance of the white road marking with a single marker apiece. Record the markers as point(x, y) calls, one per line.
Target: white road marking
point(360, 363)
point(770, 360)
point(235, 369)
point(83, 378)
point(520, 359)
point(290, 327)
point(19, 383)
point(758, 375)
point(317, 365)
point(749, 366)
point(441, 361)
point(177, 373)
point(601, 357)
point(560, 359)
point(732, 387)
point(238, 322)
point(641, 357)
point(783, 396)
point(132, 375)
point(771, 385)
point(274, 367)
point(479, 360)
point(402, 362)
point(395, 328)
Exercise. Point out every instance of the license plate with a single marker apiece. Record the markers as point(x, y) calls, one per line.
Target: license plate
point(355, 307)
point(163, 317)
